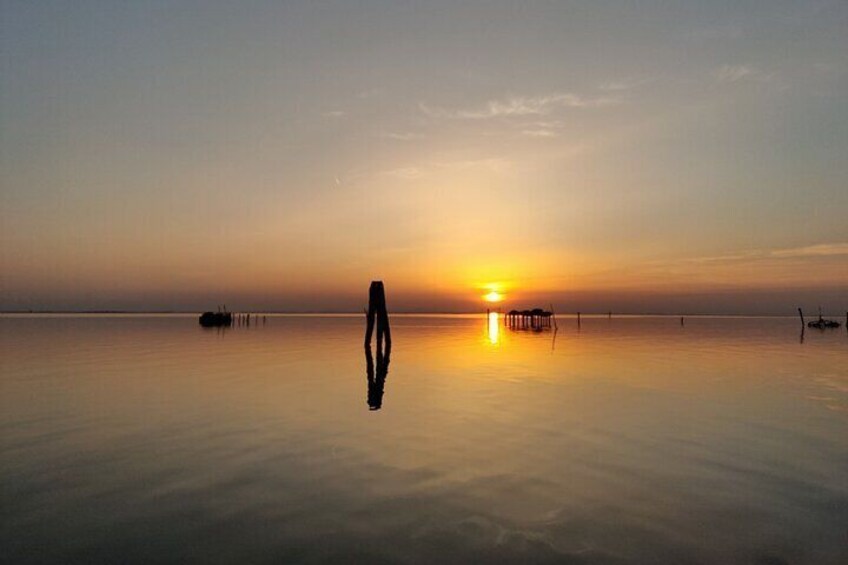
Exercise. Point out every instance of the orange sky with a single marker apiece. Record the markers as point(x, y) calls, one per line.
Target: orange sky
point(281, 159)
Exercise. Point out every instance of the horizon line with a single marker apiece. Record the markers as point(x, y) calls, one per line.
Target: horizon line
point(407, 313)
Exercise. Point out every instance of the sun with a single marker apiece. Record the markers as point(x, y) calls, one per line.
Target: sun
point(493, 296)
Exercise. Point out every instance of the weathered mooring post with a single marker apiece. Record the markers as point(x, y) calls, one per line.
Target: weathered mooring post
point(800, 313)
point(377, 314)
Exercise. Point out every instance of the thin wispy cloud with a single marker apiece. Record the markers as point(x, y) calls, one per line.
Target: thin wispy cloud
point(620, 85)
point(333, 114)
point(539, 133)
point(809, 251)
point(518, 106)
point(734, 73)
point(413, 172)
point(819, 250)
point(743, 256)
point(400, 136)
point(404, 173)
point(494, 164)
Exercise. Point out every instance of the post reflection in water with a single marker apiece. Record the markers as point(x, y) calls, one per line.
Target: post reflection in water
point(493, 329)
point(377, 382)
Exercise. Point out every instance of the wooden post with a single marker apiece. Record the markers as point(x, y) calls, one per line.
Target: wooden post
point(800, 313)
point(377, 314)
point(578, 319)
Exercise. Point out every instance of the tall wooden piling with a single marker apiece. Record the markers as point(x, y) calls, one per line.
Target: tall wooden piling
point(377, 315)
point(800, 313)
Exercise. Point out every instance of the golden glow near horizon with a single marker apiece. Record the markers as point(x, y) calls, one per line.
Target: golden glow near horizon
point(493, 296)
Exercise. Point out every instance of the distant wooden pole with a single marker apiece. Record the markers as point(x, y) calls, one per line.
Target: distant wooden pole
point(578, 319)
point(377, 315)
point(800, 313)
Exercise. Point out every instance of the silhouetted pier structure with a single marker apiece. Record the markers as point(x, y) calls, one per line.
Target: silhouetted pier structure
point(225, 319)
point(535, 319)
point(216, 319)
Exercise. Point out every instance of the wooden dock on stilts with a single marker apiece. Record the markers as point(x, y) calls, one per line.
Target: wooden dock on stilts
point(534, 320)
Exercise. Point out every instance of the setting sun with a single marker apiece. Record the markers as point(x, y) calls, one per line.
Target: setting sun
point(493, 296)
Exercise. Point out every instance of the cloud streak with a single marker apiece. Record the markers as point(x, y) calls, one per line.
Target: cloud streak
point(809, 251)
point(728, 74)
point(819, 250)
point(494, 165)
point(400, 136)
point(520, 106)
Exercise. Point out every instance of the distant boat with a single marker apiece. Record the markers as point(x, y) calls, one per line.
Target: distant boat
point(821, 324)
point(215, 319)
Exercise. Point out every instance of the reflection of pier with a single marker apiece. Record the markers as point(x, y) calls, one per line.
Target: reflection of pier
point(534, 320)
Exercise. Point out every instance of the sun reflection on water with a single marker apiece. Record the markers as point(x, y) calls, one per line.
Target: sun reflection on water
point(494, 328)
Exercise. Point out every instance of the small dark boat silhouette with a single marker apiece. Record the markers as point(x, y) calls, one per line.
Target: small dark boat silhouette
point(821, 323)
point(215, 319)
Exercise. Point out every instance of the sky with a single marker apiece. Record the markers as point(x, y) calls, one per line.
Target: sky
point(629, 156)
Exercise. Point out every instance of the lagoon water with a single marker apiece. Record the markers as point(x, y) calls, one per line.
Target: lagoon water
point(147, 439)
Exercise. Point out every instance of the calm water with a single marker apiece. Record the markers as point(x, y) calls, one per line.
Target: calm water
point(148, 439)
